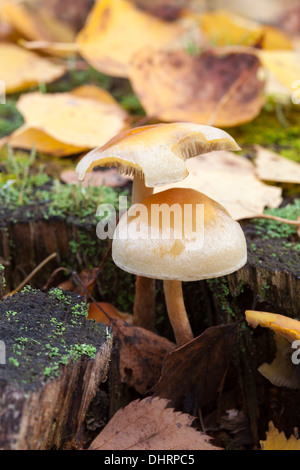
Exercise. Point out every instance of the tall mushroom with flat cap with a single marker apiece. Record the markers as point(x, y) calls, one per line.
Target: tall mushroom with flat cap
point(178, 235)
point(154, 155)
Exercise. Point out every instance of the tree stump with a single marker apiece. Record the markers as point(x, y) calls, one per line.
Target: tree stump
point(26, 241)
point(55, 360)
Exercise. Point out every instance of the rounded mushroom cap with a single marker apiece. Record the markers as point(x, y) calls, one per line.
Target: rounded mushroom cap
point(179, 234)
point(157, 151)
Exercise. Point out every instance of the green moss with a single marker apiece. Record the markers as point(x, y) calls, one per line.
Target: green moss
point(46, 343)
point(10, 118)
point(276, 127)
point(220, 290)
point(21, 185)
point(273, 229)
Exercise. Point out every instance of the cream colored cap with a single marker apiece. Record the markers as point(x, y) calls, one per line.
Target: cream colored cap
point(158, 151)
point(204, 243)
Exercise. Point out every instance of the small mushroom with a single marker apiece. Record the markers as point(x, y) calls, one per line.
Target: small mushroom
point(197, 239)
point(154, 155)
point(283, 371)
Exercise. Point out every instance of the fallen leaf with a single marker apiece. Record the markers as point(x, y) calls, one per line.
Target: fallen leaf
point(271, 166)
point(224, 28)
point(230, 180)
point(204, 361)
point(284, 64)
point(35, 22)
point(141, 353)
point(116, 29)
point(276, 440)
point(22, 69)
point(67, 123)
point(149, 425)
point(216, 88)
point(105, 177)
point(60, 49)
point(95, 313)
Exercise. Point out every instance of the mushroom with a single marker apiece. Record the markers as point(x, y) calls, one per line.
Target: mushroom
point(283, 370)
point(178, 235)
point(154, 155)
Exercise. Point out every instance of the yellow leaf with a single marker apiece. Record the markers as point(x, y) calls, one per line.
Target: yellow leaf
point(21, 69)
point(224, 28)
point(284, 64)
point(36, 23)
point(68, 123)
point(276, 440)
point(115, 30)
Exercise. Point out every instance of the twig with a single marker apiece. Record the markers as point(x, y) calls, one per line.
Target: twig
point(31, 275)
point(101, 264)
point(53, 274)
point(274, 217)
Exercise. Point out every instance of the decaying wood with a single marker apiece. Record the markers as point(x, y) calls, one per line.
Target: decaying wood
point(48, 412)
point(51, 416)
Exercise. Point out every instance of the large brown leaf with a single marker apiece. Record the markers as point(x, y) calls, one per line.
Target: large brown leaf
point(149, 425)
point(141, 355)
point(215, 88)
point(195, 371)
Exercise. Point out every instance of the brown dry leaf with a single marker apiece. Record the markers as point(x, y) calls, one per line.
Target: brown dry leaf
point(216, 88)
point(95, 313)
point(68, 123)
point(115, 30)
point(230, 180)
point(35, 21)
point(204, 360)
point(141, 353)
point(271, 166)
point(276, 440)
point(224, 28)
point(21, 69)
point(149, 425)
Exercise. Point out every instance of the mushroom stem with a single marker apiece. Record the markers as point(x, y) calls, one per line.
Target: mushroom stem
point(177, 312)
point(144, 301)
point(139, 190)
